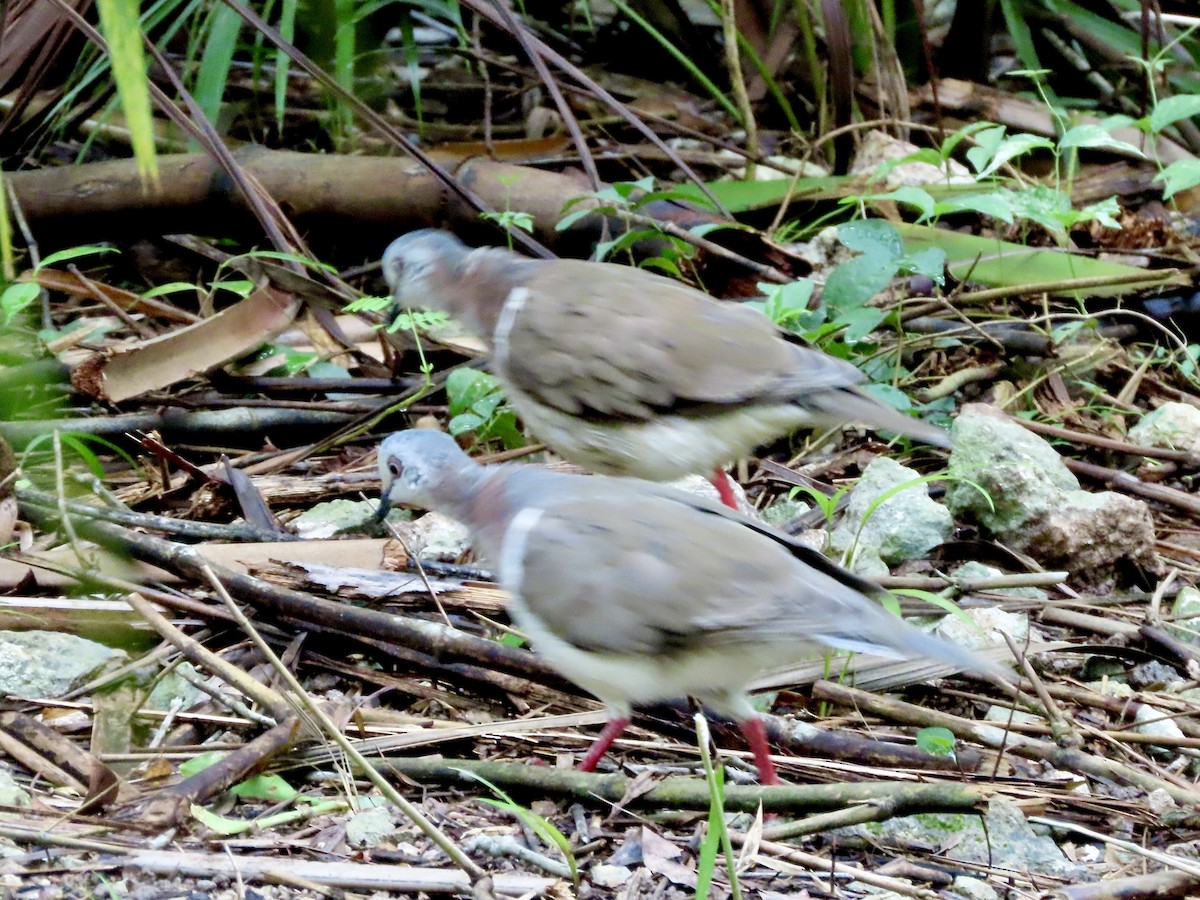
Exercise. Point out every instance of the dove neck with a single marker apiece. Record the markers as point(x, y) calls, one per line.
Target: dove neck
point(488, 277)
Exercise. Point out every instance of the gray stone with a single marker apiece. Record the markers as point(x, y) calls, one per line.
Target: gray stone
point(370, 827)
point(49, 664)
point(1033, 502)
point(1008, 843)
point(906, 525)
point(1021, 473)
point(608, 876)
point(783, 511)
point(435, 537)
point(334, 517)
point(1174, 426)
point(973, 889)
point(980, 628)
point(11, 793)
point(173, 686)
point(1185, 611)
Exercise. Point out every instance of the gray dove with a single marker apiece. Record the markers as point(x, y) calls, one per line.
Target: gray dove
point(626, 372)
point(640, 593)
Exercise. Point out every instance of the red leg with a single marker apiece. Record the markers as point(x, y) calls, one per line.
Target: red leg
point(756, 737)
point(611, 732)
point(724, 487)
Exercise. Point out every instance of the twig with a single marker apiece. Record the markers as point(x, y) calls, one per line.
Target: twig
point(685, 793)
point(817, 863)
point(1096, 440)
point(989, 735)
point(1166, 885)
point(1128, 484)
point(301, 697)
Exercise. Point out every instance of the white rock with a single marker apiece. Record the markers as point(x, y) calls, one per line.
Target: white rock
point(435, 537)
point(988, 622)
point(1173, 426)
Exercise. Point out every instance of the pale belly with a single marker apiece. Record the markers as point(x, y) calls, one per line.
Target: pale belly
point(716, 675)
point(663, 449)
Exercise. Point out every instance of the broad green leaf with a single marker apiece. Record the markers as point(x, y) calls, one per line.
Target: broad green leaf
point(930, 262)
point(463, 423)
point(937, 741)
point(1015, 146)
point(264, 787)
point(1092, 136)
point(871, 236)
point(1181, 175)
point(1170, 110)
point(16, 299)
point(889, 395)
point(199, 763)
point(908, 195)
point(987, 142)
point(997, 204)
point(860, 322)
point(857, 280)
point(998, 263)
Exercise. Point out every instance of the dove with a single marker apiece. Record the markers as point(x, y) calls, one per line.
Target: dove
point(641, 593)
point(626, 372)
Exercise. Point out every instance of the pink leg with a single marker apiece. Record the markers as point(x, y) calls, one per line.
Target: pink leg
point(611, 732)
point(756, 737)
point(724, 487)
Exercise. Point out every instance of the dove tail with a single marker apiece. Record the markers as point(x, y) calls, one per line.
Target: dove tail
point(851, 405)
point(891, 637)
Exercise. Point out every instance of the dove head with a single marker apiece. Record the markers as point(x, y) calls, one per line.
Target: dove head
point(422, 266)
point(426, 468)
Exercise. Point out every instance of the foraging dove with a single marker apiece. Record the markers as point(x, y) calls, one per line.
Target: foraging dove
point(626, 372)
point(639, 593)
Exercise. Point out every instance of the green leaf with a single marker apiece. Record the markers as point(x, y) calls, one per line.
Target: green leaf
point(16, 299)
point(464, 422)
point(937, 742)
point(857, 280)
point(930, 262)
point(1091, 136)
point(264, 787)
point(908, 195)
point(122, 31)
point(996, 204)
point(889, 395)
point(859, 322)
point(199, 763)
point(466, 385)
point(215, 62)
point(987, 142)
point(1181, 175)
point(240, 286)
point(871, 236)
point(1170, 110)
point(706, 860)
point(74, 253)
point(989, 157)
point(219, 824)
point(998, 263)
